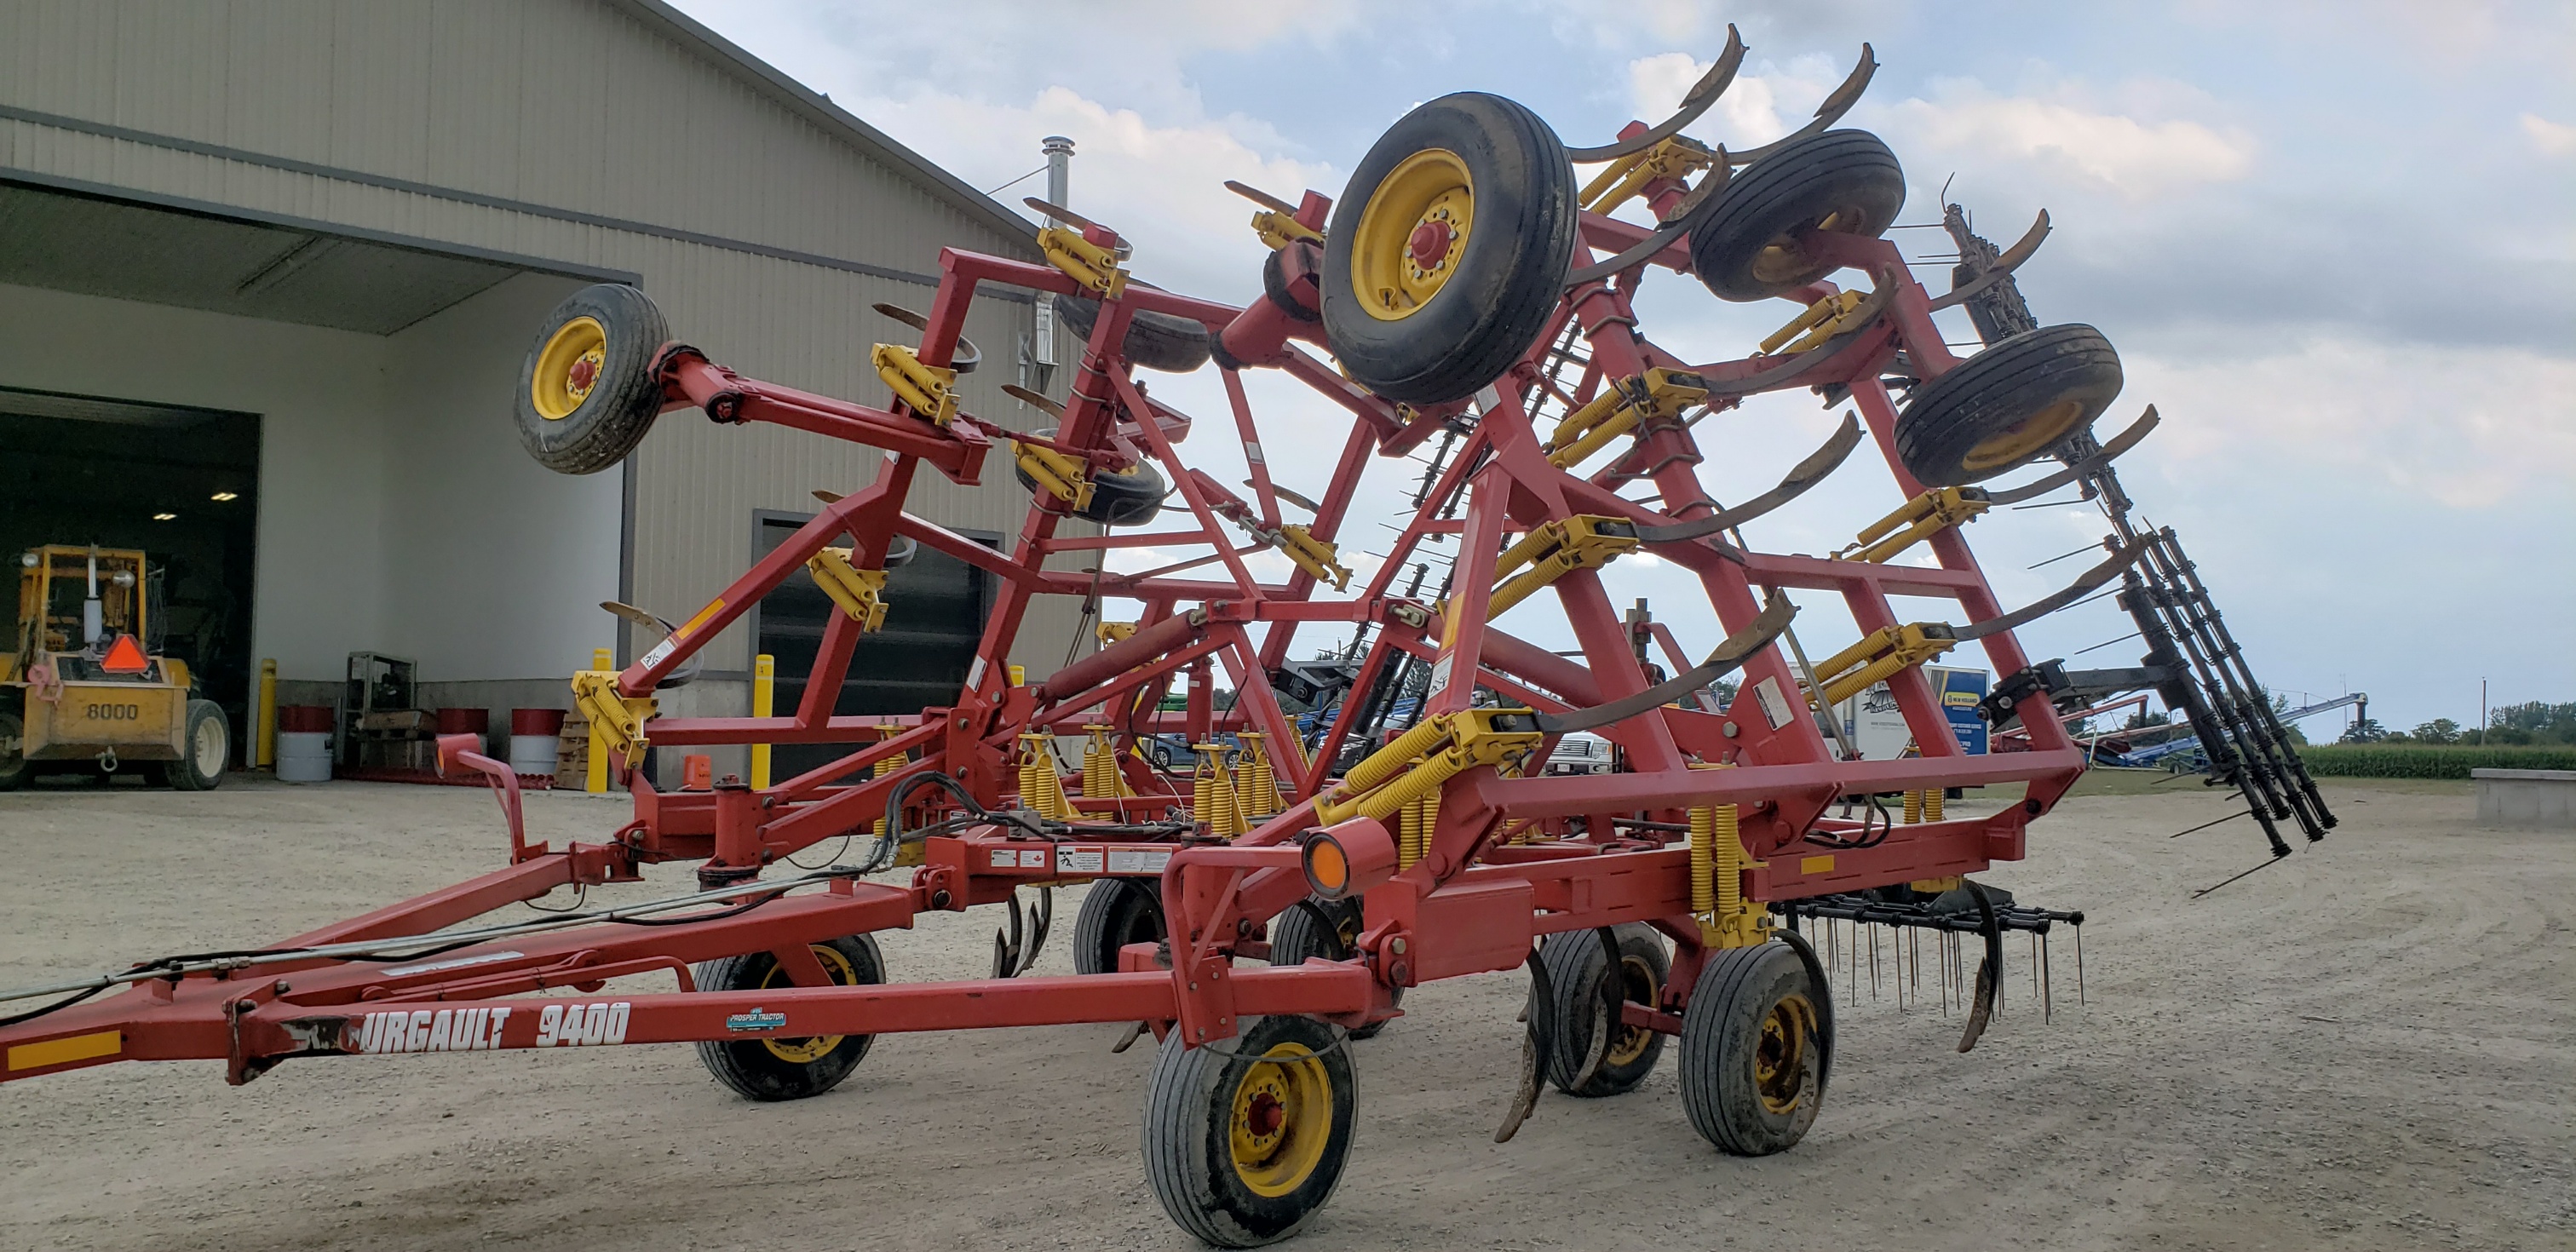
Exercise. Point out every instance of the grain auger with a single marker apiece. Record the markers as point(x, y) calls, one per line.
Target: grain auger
point(1461, 293)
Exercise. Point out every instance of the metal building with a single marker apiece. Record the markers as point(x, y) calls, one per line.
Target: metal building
point(268, 273)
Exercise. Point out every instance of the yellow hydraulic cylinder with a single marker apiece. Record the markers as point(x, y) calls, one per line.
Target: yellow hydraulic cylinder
point(264, 737)
point(601, 659)
point(764, 697)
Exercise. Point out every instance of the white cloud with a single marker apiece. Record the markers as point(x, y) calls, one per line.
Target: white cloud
point(2115, 152)
point(2469, 429)
point(2552, 138)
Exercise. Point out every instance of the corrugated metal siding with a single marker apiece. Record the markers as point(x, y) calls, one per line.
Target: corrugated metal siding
point(569, 104)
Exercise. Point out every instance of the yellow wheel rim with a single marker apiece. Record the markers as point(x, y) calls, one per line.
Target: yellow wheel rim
point(1629, 1043)
point(1783, 260)
point(2026, 439)
point(1780, 1057)
point(568, 367)
point(1282, 1120)
point(813, 1048)
point(1412, 233)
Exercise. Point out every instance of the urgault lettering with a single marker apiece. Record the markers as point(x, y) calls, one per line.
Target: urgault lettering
point(480, 1029)
point(433, 1030)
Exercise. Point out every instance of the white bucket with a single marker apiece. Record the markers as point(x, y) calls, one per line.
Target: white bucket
point(303, 756)
point(533, 754)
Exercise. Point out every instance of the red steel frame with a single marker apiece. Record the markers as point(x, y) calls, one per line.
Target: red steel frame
point(1474, 902)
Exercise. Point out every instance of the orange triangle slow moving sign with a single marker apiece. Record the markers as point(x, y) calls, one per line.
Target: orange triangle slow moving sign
point(125, 657)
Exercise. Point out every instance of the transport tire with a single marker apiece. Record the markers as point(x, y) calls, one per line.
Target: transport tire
point(13, 751)
point(1750, 248)
point(1752, 1064)
point(205, 747)
point(1157, 341)
point(1115, 912)
point(1574, 967)
point(1449, 249)
point(1295, 937)
point(769, 1069)
point(1130, 497)
point(588, 393)
point(2008, 405)
point(1243, 1145)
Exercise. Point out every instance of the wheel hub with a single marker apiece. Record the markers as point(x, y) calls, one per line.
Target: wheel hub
point(1429, 246)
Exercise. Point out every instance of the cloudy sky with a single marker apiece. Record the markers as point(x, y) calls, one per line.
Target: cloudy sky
point(2335, 243)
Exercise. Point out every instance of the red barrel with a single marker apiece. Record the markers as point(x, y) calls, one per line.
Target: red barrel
point(464, 721)
point(546, 723)
point(304, 719)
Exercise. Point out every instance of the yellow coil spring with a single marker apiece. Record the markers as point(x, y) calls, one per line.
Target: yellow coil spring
point(1256, 786)
point(1932, 804)
point(1414, 825)
point(1716, 863)
point(1395, 758)
point(1387, 801)
point(1041, 788)
point(1212, 798)
point(887, 766)
point(1913, 807)
point(1100, 779)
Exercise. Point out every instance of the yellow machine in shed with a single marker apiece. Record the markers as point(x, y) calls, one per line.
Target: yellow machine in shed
point(80, 688)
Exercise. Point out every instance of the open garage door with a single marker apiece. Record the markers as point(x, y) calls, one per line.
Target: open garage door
point(179, 484)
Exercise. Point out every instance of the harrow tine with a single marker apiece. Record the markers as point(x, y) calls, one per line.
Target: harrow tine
point(1989, 971)
point(2003, 267)
point(1041, 917)
point(1535, 1042)
point(1610, 993)
point(2101, 456)
point(1864, 322)
point(2091, 582)
point(1060, 213)
point(1740, 646)
point(1260, 197)
point(1807, 473)
point(1827, 113)
point(1689, 215)
point(1696, 101)
point(1033, 400)
point(1006, 946)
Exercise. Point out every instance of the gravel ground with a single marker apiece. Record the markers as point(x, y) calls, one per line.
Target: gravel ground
point(2365, 1047)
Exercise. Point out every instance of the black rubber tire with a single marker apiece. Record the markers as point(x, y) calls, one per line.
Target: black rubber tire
point(14, 771)
point(1574, 963)
point(620, 407)
point(1157, 341)
point(1512, 268)
point(1294, 937)
point(1130, 497)
point(1274, 287)
point(189, 772)
point(1189, 1117)
point(1115, 912)
point(1722, 1044)
point(748, 1065)
point(2030, 392)
point(1845, 174)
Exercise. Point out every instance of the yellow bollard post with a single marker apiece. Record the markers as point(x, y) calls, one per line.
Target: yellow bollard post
point(597, 782)
point(264, 734)
point(764, 695)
